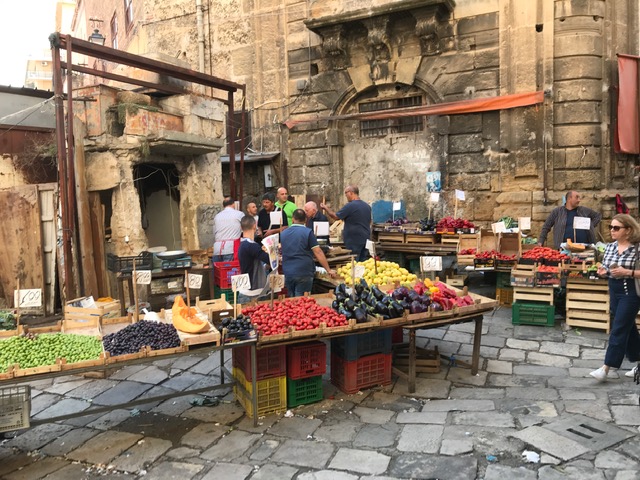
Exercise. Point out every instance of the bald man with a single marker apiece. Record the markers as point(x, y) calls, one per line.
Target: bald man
point(283, 203)
point(313, 216)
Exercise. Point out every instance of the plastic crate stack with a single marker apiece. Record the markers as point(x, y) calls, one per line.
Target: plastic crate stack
point(271, 379)
point(361, 361)
point(306, 363)
point(222, 273)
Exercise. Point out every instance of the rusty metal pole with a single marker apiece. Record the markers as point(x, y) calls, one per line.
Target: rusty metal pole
point(232, 150)
point(62, 171)
point(71, 167)
point(243, 135)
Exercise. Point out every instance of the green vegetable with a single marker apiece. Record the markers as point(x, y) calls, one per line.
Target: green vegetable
point(7, 320)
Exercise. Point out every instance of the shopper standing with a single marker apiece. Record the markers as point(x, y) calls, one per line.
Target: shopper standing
point(226, 231)
point(356, 215)
point(619, 264)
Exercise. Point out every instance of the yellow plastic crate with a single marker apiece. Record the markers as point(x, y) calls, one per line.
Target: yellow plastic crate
point(271, 393)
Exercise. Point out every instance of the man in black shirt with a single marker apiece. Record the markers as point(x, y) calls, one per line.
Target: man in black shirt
point(264, 217)
point(253, 260)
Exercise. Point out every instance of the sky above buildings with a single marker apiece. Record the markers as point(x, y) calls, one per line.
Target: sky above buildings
point(25, 26)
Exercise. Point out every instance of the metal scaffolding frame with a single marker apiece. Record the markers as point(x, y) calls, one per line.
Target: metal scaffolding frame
point(65, 141)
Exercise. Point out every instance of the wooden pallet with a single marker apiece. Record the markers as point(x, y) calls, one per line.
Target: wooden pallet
point(588, 297)
point(391, 237)
point(533, 294)
point(589, 319)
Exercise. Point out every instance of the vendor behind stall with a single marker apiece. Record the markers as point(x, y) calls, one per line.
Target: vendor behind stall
point(561, 220)
point(313, 216)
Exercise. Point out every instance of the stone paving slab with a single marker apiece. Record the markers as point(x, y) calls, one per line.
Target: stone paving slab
point(428, 417)
point(143, 453)
point(558, 348)
point(92, 389)
point(295, 427)
point(60, 388)
point(373, 415)
point(463, 375)
point(377, 436)
point(273, 472)
point(308, 454)
point(459, 405)
point(456, 447)
point(614, 460)
point(626, 414)
point(151, 374)
point(104, 447)
point(42, 402)
point(203, 435)
point(420, 438)
point(231, 446)
point(173, 471)
point(228, 471)
point(71, 440)
point(425, 388)
point(37, 437)
point(502, 472)
point(501, 420)
point(551, 442)
point(499, 366)
point(532, 393)
point(434, 466)
point(340, 433)
point(537, 358)
point(569, 473)
point(461, 393)
point(265, 449)
point(38, 469)
point(110, 419)
point(126, 372)
point(327, 475)
point(361, 461)
point(63, 407)
point(121, 393)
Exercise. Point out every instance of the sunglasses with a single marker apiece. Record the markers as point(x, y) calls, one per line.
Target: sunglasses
point(615, 228)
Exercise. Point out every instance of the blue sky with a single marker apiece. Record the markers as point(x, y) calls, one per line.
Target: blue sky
point(25, 26)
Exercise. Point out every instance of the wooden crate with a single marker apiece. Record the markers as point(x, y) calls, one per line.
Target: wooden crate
point(590, 319)
point(427, 361)
point(456, 280)
point(504, 296)
point(583, 296)
point(211, 336)
point(487, 241)
point(465, 260)
point(391, 237)
point(523, 275)
point(215, 309)
point(450, 239)
point(509, 244)
point(81, 325)
point(533, 294)
point(424, 238)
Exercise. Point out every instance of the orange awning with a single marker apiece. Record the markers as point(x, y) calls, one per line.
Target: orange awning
point(451, 108)
point(627, 138)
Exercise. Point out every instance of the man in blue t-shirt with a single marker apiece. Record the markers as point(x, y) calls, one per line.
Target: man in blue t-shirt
point(253, 260)
point(299, 247)
point(356, 215)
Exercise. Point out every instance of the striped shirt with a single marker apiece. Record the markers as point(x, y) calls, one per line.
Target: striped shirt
point(626, 259)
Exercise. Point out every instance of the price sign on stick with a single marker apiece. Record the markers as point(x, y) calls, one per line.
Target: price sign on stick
point(276, 217)
point(397, 206)
point(358, 271)
point(524, 223)
point(498, 227)
point(143, 277)
point(460, 195)
point(27, 298)
point(371, 247)
point(240, 282)
point(277, 282)
point(431, 264)
point(193, 281)
point(581, 223)
point(435, 197)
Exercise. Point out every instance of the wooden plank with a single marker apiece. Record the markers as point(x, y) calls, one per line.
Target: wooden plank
point(47, 194)
point(21, 240)
point(526, 294)
point(96, 213)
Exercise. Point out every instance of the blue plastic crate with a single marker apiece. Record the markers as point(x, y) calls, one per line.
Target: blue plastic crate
point(353, 347)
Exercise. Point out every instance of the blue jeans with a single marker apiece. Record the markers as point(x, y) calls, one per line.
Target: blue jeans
point(624, 337)
point(297, 286)
point(359, 251)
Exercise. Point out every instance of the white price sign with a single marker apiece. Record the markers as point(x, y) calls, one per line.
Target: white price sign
point(460, 195)
point(359, 271)
point(143, 277)
point(397, 206)
point(275, 218)
point(498, 227)
point(27, 298)
point(431, 264)
point(277, 282)
point(240, 282)
point(524, 223)
point(435, 197)
point(371, 247)
point(193, 281)
point(582, 223)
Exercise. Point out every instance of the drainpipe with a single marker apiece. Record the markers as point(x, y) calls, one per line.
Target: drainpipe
point(200, 27)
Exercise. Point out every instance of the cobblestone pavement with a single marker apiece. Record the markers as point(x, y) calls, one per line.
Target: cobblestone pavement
point(532, 394)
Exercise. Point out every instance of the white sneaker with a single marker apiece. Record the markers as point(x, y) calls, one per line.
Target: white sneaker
point(599, 374)
point(631, 372)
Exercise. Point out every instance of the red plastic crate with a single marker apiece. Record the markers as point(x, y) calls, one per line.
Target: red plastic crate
point(306, 360)
point(270, 362)
point(223, 271)
point(369, 371)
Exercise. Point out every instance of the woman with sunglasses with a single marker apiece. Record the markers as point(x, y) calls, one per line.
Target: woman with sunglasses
point(619, 265)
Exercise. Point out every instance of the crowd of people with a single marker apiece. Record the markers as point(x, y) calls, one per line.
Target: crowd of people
point(237, 235)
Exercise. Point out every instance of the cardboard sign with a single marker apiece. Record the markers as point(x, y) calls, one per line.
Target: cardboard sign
point(431, 264)
point(193, 281)
point(524, 223)
point(277, 282)
point(321, 229)
point(143, 277)
point(582, 223)
point(498, 227)
point(435, 197)
point(28, 298)
point(359, 271)
point(460, 195)
point(240, 282)
point(397, 206)
point(371, 247)
point(275, 218)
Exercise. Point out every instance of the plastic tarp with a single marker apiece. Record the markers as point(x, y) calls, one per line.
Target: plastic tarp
point(451, 108)
point(627, 139)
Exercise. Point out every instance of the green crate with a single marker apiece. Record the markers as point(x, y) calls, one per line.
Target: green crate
point(503, 279)
point(304, 391)
point(227, 292)
point(527, 313)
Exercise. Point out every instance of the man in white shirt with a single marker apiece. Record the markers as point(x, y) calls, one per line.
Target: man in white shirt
point(226, 231)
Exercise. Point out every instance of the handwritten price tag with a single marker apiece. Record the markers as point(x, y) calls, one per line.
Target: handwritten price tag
point(143, 277)
point(498, 227)
point(277, 282)
point(431, 264)
point(582, 223)
point(27, 298)
point(359, 271)
point(240, 282)
point(435, 197)
point(371, 247)
point(397, 206)
point(524, 223)
point(460, 195)
point(193, 281)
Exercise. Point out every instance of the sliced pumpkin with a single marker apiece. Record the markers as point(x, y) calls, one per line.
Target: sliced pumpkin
point(575, 246)
point(185, 319)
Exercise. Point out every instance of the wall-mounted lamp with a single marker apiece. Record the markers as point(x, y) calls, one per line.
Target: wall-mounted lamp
point(97, 38)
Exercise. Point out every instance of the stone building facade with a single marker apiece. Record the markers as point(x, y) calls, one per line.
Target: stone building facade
point(319, 60)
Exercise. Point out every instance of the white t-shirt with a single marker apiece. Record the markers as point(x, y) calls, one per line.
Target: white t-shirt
point(226, 229)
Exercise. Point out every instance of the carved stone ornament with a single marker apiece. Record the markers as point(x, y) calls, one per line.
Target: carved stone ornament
point(378, 38)
point(334, 45)
point(427, 30)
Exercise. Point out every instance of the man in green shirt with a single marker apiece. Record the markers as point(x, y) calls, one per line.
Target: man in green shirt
point(284, 204)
